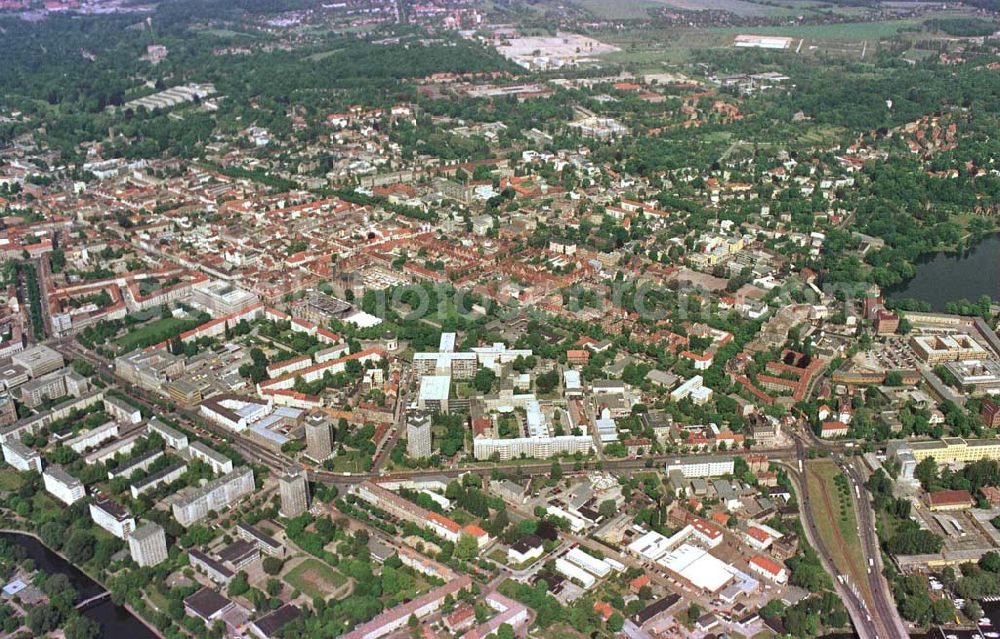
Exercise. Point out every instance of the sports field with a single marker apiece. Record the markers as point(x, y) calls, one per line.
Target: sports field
point(315, 578)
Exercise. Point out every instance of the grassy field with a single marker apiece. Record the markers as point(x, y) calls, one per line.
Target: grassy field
point(323, 55)
point(619, 9)
point(10, 480)
point(739, 7)
point(158, 599)
point(853, 31)
point(650, 51)
point(833, 512)
point(136, 338)
point(352, 461)
point(315, 578)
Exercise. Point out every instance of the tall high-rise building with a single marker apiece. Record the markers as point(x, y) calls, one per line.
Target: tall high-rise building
point(294, 489)
point(418, 435)
point(148, 544)
point(319, 439)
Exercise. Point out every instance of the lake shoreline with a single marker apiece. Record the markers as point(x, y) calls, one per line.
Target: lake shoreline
point(947, 276)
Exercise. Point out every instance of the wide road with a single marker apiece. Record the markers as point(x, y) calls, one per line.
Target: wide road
point(885, 605)
point(863, 622)
point(878, 617)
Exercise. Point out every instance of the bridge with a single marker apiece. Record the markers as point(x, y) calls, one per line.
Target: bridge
point(90, 601)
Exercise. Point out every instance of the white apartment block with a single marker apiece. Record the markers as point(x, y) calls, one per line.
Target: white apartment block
point(93, 437)
point(173, 438)
point(536, 447)
point(220, 463)
point(112, 517)
point(701, 466)
point(62, 485)
point(148, 544)
point(20, 456)
point(193, 504)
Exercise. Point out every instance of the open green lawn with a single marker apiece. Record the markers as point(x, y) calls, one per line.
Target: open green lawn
point(350, 462)
point(837, 523)
point(315, 578)
point(160, 329)
point(619, 9)
point(157, 598)
point(224, 33)
point(854, 31)
point(44, 502)
point(10, 479)
point(322, 55)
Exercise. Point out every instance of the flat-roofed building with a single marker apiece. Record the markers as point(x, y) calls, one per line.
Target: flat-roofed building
point(948, 450)
point(536, 447)
point(122, 410)
point(695, 566)
point(20, 456)
point(148, 544)
point(193, 504)
point(434, 392)
point(239, 554)
point(235, 412)
point(212, 567)
point(163, 476)
point(93, 437)
point(172, 437)
point(62, 485)
point(221, 298)
point(701, 466)
point(150, 370)
point(509, 491)
point(319, 436)
point(936, 349)
point(220, 463)
point(693, 388)
point(293, 487)
point(130, 466)
point(12, 376)
point(121, 446)
point(269, 626)
point(38, 360)
point(208, 605)
point(8, 411)
point(979, 375)
point(265, 543)
point(112, 517)
point(63, 410)
point(418, 435)
point(42, 389)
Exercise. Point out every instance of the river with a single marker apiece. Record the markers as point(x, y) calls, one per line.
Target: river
point(949, 277)
point(116, 622)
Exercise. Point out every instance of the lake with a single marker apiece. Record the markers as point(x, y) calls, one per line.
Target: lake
point(116, 622)
point(949, 277)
